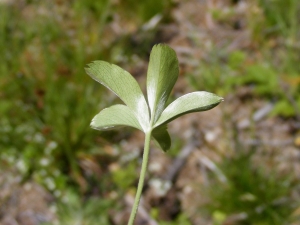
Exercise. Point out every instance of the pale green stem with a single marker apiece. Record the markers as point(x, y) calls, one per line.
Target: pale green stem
point(142, 178)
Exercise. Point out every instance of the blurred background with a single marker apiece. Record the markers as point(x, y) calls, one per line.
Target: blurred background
point(237, 164)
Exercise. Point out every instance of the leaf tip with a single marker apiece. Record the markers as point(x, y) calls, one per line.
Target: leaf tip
point(93, 124)
point(88, 68)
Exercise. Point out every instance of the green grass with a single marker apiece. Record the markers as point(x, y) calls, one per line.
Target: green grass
point(74, 210)
point(261, 197)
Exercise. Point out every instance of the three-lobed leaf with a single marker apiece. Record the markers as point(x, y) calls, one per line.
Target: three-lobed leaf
point(161, 76)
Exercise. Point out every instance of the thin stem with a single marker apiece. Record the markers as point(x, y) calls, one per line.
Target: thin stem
point(142, 178)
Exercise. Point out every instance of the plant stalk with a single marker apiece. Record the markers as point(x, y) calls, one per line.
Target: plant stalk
point(142, 178)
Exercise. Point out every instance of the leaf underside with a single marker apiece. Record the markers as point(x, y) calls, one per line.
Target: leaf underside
point(123, 85)
point(162, 137)
point(162, 74)
point(115, 116)
point(192, 102)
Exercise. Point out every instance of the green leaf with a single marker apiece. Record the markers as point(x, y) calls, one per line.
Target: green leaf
point(161, 135)
point(123, 85)
point(115, 116)
point(162, 74)
point(192, 102)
